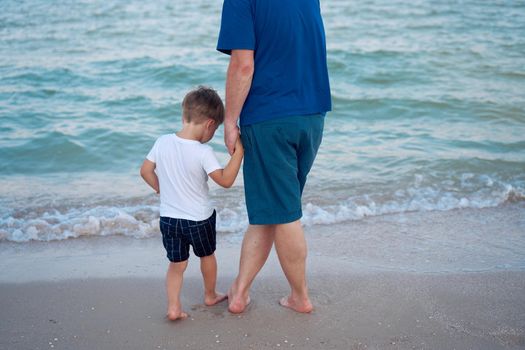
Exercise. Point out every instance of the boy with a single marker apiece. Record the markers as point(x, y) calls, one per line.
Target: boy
point(178, 167)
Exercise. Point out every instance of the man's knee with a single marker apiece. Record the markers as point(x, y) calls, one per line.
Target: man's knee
point(289, 228)
point(265, 230)
point(290, 237)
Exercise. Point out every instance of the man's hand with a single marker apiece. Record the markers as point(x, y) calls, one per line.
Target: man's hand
point(231, 134)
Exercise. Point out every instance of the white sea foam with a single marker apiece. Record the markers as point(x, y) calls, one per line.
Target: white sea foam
point(410, 200)
point(76, 222)
point(141, 220)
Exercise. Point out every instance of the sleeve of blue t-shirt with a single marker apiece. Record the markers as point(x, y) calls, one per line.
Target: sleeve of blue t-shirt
point(237, 26)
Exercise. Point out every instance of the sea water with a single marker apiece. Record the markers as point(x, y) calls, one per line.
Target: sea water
point(428, 110)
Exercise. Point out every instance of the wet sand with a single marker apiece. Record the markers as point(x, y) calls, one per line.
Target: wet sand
point(371, 311)
point(107, 293)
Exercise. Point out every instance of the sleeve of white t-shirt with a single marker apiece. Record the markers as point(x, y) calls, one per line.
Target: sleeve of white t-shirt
point(209, 161)
point(152, 155)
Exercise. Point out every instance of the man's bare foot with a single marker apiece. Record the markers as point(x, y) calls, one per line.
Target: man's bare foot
point(304, 306)
point(237, 303)
point(174, 315)
point(214, 299)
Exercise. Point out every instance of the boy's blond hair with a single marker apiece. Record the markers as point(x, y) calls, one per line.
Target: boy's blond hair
point(202, 103)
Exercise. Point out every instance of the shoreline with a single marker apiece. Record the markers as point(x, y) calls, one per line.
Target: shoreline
point(108, 292)
point(440, 242)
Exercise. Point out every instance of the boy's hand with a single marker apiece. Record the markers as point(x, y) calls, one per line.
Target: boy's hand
point(226, 177)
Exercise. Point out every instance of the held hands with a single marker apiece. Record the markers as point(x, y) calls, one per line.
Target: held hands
point(239, 149)
point(226, 177)
point(231, 136)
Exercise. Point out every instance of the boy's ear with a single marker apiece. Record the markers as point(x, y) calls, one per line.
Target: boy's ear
point(210, 123)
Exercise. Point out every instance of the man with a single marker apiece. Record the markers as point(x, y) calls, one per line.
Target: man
point(277, 84)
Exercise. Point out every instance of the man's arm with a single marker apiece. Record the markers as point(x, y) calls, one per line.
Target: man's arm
point(147, 171)
point(238, 83)
point(226, 177)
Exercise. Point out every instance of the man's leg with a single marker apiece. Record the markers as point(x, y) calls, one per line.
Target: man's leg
point(256, 247)
point(290, 245)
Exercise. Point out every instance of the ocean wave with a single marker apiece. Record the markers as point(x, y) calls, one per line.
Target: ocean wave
point(86, 95)
point(423, 199)
point(52, 150)
point(141, 220)
point(52, 78)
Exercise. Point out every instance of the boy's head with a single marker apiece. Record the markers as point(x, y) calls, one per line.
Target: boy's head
point(201, 104)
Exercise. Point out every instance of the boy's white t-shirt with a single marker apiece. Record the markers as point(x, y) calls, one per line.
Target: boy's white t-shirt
point(182, 167)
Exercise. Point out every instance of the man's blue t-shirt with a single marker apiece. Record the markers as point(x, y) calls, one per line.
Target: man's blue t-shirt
point(288, 39)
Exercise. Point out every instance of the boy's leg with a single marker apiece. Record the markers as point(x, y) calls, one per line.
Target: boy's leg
point(290, 245)
point(173, 288)
point(203, 238)
point(209, 275)
point(256, 247)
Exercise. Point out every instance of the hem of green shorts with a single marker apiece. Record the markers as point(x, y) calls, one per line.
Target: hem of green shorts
point(275, 219)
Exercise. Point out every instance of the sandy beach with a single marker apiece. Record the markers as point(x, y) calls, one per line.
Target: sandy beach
point(107, 293)
point(414, 210)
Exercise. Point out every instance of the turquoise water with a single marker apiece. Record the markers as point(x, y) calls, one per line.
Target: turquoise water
point(429, 110)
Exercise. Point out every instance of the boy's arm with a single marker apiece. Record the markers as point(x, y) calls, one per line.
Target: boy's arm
point(226, 177)
point(147, 171)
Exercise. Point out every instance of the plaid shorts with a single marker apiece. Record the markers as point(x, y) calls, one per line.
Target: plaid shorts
point(179, 234)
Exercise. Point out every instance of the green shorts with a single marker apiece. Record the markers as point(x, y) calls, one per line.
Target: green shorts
point(278, 155)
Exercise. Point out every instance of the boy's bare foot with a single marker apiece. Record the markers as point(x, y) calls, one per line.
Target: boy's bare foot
point(237, 303)
point(174, 315)
point(214, 299)
point(303, 306)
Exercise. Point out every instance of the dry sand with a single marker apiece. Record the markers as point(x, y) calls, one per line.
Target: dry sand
point(107, 293)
